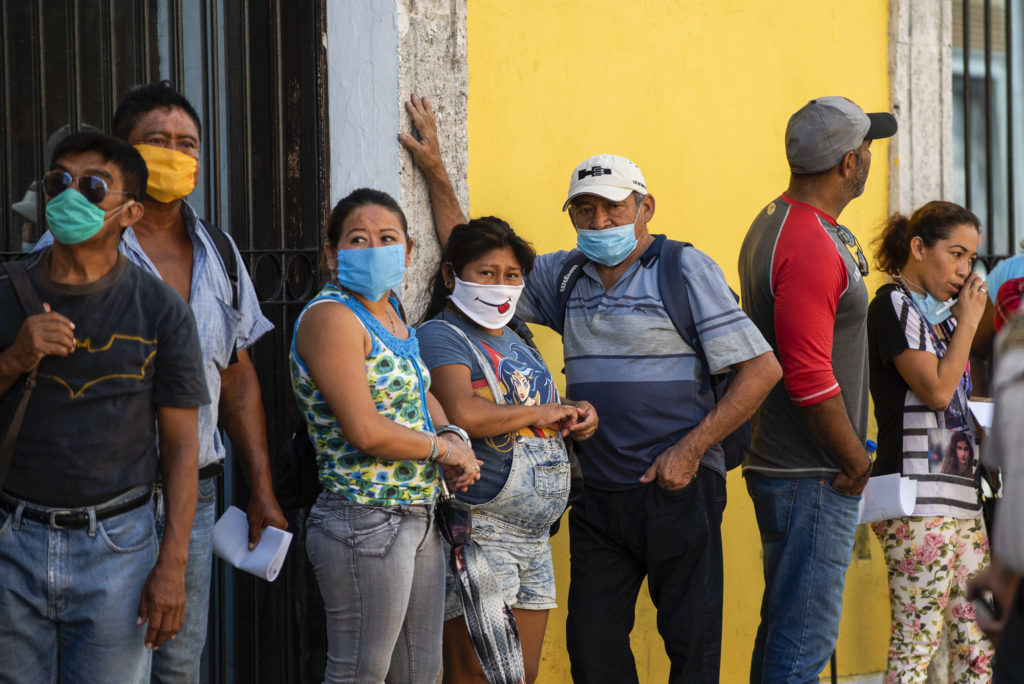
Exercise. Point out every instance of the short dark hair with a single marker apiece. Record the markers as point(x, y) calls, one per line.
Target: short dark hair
point(126, 158)
point(143, 99)
point(932, 222)
point(470, 241)
point(361, 198)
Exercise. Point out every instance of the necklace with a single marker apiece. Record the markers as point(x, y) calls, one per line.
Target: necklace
point(391, 322)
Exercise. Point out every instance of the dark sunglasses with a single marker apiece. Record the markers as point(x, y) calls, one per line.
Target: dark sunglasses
point(93, 188)
point(850, 240)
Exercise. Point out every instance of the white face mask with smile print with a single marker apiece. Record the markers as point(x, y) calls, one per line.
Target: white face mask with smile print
point(489, 306)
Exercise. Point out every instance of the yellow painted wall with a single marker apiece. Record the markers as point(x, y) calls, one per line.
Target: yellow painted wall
point(698, 94)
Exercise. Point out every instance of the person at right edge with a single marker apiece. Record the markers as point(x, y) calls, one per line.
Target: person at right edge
point(918, 343)
point(807, 464)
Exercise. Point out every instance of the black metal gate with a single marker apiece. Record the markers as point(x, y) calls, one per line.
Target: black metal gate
point(255, 71)
point(988, 119)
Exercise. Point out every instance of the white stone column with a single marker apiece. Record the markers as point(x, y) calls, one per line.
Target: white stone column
point(379, 52)
point(921, 154)
point(432, 62)
point(920, 57)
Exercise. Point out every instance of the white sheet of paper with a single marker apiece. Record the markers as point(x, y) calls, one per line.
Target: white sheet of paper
point(982, 411)
point(231, 542)
point(887, 497)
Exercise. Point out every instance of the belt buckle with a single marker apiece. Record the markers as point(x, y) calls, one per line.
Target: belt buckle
point(53, 519)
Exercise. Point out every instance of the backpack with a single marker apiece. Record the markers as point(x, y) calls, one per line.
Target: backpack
point(672, 281)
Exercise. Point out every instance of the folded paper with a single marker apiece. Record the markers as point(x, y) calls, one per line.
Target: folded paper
point(886, 497)
point(231, 542)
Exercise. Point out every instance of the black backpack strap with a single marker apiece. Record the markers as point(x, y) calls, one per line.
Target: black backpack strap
point(30, 302)
point(23, 288)
point(223, 244)
point(570, 274)
point(519, 327)
point(672, 282)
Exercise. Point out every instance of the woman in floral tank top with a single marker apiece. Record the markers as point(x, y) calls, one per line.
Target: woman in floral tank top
point(381, 446)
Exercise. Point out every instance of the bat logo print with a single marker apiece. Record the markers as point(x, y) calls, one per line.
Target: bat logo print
point(122, 357)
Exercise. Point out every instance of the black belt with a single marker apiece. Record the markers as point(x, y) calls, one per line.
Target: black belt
point(211, 470)
point(73, 518)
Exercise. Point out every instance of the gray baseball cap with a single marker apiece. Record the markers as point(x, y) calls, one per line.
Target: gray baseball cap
point(825, 129)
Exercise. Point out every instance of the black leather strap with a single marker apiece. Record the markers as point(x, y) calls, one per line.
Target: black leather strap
point(30, 302)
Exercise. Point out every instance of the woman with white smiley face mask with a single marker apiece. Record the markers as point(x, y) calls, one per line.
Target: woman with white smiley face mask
point(493, 384)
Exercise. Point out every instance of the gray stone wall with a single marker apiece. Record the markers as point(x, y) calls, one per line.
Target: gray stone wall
point(380, 52)
point(432, 62)
point(920, 57)
point(921, 155)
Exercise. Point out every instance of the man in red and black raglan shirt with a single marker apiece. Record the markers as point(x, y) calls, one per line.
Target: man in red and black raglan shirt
point(803, 287)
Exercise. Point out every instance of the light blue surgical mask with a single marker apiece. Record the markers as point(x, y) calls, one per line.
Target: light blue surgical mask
point(609, 246)
point(933, 310)
point(73, 218)
point(373, 271)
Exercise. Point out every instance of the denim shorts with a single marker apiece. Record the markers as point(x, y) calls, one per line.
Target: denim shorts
point(512, 528)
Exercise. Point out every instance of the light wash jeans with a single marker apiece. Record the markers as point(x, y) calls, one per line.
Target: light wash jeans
point(807, 530)
point(381, 575)
point(69, 599)
point(177, 660)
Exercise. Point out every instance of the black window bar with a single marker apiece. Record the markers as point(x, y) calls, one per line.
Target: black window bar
point(256, 72)
point(987, 34)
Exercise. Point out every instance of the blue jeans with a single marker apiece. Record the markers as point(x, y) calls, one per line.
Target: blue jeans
point(807, 530)
point(381, 575)
point(69, 599)
point(512, 528)
point(177, 660)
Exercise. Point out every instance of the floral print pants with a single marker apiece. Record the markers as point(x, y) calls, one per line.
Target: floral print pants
point(929, 560)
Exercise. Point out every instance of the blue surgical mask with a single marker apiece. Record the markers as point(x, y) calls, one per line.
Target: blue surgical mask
point(372, 271)
point(609, 246)
point(933, 310)
point(73, 218)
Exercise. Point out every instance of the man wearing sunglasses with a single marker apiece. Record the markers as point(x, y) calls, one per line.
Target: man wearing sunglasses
point(172, 243)
point(86, 586)
point(801, 277)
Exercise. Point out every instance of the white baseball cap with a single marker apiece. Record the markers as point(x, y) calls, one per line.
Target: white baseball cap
point(606, 175)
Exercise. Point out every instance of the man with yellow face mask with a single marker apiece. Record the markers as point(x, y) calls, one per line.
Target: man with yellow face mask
point(171, 242)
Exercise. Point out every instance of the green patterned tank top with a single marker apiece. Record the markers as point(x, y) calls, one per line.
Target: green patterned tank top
point(398, 382)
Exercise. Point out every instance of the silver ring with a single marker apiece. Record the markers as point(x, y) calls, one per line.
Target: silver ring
point(983, 288)
point(476, 467)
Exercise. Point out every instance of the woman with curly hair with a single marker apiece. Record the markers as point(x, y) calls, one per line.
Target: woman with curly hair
point(920, 328)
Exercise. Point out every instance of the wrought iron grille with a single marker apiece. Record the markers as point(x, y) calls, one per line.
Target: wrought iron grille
point(255, 71)
point(988, 119)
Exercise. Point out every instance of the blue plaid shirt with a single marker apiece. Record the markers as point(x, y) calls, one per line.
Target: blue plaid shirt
point(222, 329)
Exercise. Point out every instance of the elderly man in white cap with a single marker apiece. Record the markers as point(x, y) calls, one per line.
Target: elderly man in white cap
point(801, 275)
point(654, 471)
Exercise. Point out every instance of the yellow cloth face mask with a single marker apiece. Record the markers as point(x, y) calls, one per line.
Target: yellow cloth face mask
point(172, 174)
